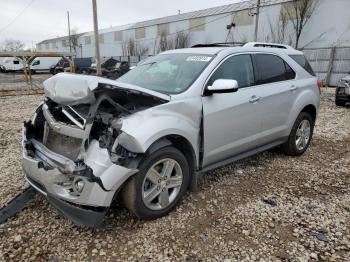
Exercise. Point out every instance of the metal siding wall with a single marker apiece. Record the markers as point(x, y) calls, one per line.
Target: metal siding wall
point(319, 66)
point(317, 54)
point(320, 59)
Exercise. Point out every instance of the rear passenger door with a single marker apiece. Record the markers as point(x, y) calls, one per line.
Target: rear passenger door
point(277, 90)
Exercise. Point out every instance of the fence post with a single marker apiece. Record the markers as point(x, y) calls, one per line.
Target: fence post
point(330, 65)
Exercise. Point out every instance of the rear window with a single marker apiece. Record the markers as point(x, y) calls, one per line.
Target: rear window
point(302, 61)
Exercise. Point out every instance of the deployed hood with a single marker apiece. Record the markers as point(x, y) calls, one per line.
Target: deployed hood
point(73, 89)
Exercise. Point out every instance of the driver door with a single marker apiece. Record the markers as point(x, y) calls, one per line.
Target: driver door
point(232, 121)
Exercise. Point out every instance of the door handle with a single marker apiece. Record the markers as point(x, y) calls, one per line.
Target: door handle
point(254, 99)
point(293, 88)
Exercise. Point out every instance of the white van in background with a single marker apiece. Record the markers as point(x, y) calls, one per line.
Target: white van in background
point(11, 64)
point(43, 64)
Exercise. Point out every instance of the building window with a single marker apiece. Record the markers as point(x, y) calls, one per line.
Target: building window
point(101, 38)
point(118, 36)
point(64, 43)
point(163, 29)
point(54, 46)
point(47, 46)
point(241, 18)
point(140, 33)
point(289, 10)
point(197, 24)
point(87, 40)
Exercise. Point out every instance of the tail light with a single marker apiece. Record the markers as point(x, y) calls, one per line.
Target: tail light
point(319, 85)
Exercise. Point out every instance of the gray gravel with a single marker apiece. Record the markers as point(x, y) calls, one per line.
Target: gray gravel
point(15, 81)
point(266, 208)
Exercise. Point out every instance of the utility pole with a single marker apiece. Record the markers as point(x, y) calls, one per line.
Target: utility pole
point(69, 37)
point(257, 20)
point(97, 43)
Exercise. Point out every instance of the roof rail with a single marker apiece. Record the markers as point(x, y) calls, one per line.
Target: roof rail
point(244, 44)
point(269, 45)
point(227, 44)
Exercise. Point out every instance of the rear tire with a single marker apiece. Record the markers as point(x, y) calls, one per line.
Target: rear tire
point(300, 136)
point(158, 187)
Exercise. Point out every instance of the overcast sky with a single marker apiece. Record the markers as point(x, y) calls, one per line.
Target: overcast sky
point(37, 20)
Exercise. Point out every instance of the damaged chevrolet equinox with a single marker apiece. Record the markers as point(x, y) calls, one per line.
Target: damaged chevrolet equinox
point(147, 137)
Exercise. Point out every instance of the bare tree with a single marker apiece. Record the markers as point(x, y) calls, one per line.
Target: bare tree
point(12, 45)
point(74, 39)
point(166, 42)
point(133, 48)
point(300, 12)
point(141, 50)
point(278, 30)
point(182, 39)
point(128, 47)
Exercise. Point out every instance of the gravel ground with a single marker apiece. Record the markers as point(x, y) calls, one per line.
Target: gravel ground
point(16, 81)
point(305, 215)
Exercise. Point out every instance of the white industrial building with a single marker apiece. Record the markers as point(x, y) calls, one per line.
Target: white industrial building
point(328, 26)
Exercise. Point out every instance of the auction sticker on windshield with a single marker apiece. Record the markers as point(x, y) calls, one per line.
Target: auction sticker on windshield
point(198, 58)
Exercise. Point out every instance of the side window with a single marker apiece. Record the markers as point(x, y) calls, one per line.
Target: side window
point(290, 74)
point(302, 61)
point(272, 68)
point(238, 68)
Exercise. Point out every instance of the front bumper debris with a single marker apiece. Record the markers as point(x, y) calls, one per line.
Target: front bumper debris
point(54, 176)
point(82, 216)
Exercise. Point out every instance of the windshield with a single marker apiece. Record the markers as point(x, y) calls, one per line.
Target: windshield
point(167, 73)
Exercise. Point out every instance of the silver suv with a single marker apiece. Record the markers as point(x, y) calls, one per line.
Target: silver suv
point(148, 136)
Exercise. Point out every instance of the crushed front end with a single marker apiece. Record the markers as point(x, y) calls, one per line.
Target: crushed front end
point(71, 152)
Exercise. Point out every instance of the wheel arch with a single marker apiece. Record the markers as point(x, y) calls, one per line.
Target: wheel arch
point(310, 109)
point(177, 141)
point(180, 143)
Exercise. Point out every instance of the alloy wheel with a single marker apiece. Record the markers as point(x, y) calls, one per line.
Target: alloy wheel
point(303, 135)
point(162, 184)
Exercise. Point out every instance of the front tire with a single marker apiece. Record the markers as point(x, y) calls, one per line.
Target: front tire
point(300, 136)
point(158, 187)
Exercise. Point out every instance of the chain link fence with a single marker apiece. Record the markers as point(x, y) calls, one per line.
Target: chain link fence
point(330, 64)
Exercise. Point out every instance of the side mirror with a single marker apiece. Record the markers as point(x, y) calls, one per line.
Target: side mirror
point(223, 86)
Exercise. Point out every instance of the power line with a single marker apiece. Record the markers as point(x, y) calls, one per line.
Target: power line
point(17, 16)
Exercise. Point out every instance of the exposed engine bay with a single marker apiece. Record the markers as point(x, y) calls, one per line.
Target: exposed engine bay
point(101, 121)
point(69, 130)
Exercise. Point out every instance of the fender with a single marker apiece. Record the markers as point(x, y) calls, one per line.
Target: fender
point(179, 117)
point(305, 98)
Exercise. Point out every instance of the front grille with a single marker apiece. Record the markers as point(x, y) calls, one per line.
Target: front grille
point(64, 145)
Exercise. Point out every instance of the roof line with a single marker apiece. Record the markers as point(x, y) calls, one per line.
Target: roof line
point(185, 16)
